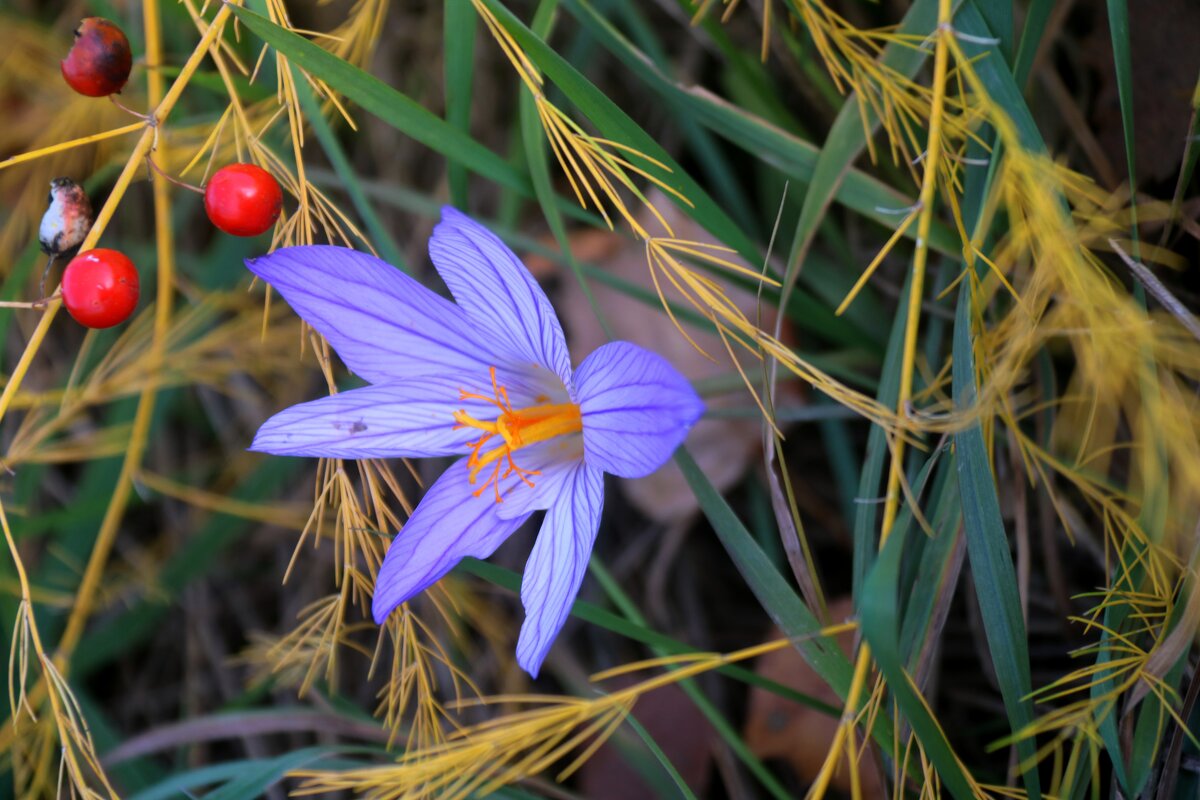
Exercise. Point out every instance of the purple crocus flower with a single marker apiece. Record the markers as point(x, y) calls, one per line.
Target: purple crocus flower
point(490, 379)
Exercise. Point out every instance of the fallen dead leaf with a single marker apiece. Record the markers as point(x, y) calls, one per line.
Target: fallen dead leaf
point(676, 725)
point(723, 447)
point(777, 728)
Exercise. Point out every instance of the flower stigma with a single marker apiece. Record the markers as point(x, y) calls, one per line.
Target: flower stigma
point(515, 428)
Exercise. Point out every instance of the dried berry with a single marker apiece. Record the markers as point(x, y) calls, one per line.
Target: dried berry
point(99, 62)
point(68, 217)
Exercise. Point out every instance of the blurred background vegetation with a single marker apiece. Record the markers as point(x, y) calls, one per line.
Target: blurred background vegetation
point(992, 510)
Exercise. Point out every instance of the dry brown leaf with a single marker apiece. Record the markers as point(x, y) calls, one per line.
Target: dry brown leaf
point(676, 725)
point(777, 728)
point(724, 448)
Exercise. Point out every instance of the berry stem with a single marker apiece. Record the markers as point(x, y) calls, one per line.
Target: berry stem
point(46, 274)
point(110, 206)
point(147, 118)
point(85, 596)
point(36, 304)
point(75, 625)
point(193, 187)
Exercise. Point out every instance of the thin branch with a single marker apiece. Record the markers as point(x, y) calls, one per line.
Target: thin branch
point(1155, 287)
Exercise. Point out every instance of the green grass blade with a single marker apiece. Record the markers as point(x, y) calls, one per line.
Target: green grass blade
point(992, 570)
point(879, 614)
point(393, 107)
point(182, 784)
point(600, 617)
point(1191, 155)
point(1036, 17)
point(1118, 27)
point(999, 17)
point(1127, 575)
point(870, 481)
point(690, 687)
point(1150, 716)
point(381, 238)
point(255, 778)
point(788, 153)
point(847, 139)
point(242, 778)
point(685, 791)
point(14, 285)
point(841, 448)
point(538, 161)
point(937, 569)
point(615, 124)
point(778, 599)
point(745, 70)
point(996, 76)
point(733, 739)
point(721, 175)
point(458, 56)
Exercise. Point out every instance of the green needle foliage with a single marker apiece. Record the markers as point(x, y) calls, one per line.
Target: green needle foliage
point(894, 250)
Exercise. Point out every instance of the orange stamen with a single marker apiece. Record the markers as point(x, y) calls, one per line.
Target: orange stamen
point(516, 428)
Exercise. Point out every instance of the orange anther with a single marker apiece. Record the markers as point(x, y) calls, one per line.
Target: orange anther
point(517, 428)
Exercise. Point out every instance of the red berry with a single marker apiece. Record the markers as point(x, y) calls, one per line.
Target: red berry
point(100, 288)
point(243, 200)
point(99, 62)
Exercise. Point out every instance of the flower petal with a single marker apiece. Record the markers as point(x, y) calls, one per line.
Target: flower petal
point(636, 409)
point(499, 295)
point(557, 564)
point(449, 523)
point(555, 461)
point(410, 418)
point(383, 324)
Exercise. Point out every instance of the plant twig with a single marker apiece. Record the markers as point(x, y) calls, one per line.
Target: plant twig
point(159, 170)
point(1155, 287)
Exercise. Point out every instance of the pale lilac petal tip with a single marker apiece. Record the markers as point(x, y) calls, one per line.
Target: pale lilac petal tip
point(409, 419)
point(636, 409)
point(382, 323)
point(448, 524)
point(557, 564)
point(499, 295)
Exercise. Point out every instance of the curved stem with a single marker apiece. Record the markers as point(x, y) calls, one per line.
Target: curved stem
point(154, 167)
point(85, 597)
point(114, 198)
point(912, 326)
point(147, 117)
point(104, 542)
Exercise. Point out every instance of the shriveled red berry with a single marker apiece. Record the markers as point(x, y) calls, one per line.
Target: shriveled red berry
point(243, 199)
point(99, 62)
point(100, 288)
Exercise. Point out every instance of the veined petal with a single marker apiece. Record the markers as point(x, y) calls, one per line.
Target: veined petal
point(636, 409)
point(449, 523)
point(409, 418)
point(502, 299)
point(556, 460)
point(383, 324)
point(557, 564)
